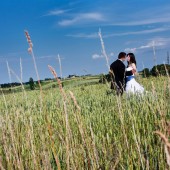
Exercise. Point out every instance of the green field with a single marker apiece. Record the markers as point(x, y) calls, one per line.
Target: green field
point(94, 130)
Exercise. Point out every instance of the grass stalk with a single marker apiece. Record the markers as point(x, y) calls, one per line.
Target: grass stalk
point(103, 49)
point(64, 97)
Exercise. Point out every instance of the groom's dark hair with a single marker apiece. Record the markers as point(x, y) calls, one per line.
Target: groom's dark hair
point(121, 55)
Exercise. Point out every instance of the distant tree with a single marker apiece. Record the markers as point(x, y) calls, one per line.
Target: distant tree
point(72, 76)
point(161, 69)
point(46, 79)
point(36, 82)
point(27, 83)
point(31, 82)
point(146, 72)
point(6, 85)
point(105, 78)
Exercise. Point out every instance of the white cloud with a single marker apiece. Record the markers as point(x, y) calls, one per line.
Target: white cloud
point(95, 35)
point(144, 21)
point(141, 17)
point(56, 12)
point(150, 15)
point(157, 43)
point(83, 17)
point(139, 32)
point(46, 57)
point(128, 50)
point(97, 56)
point(82, 35)
point(93, 16)
point(49, 57)
point(68, 22)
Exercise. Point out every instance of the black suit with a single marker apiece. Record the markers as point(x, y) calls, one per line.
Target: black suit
point(118, 76)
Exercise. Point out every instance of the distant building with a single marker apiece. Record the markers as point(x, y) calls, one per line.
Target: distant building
point(72, 76)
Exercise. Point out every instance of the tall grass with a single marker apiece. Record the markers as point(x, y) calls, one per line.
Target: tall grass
point(97, 131)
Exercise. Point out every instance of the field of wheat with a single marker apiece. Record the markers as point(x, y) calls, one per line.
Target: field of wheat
point(86, 127)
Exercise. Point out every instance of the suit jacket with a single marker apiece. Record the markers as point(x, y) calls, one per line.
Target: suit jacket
point(119, 73)
point(118, 69)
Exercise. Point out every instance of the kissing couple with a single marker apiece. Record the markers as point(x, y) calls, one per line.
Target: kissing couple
point(123, 79)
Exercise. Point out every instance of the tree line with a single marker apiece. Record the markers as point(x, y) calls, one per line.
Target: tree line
point(32, 84)
point(158, 70)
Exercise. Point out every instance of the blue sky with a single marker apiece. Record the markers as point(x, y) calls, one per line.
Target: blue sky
point(70, 28)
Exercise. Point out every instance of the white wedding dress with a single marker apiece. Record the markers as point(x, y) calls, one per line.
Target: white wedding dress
point(132, 86)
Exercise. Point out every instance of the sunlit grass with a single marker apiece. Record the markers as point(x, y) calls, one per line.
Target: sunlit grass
point(107, 132)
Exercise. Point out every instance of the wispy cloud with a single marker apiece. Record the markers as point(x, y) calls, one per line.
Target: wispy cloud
point(132, 50)
point(95, 35)
point(158, 43)
point(97, 56)
point(47, 57)
point(161, 19)
point(111, 17)
point(149, 31)
point(82, 35)
point(150, 15)
point(81, 18)
point(56, 12)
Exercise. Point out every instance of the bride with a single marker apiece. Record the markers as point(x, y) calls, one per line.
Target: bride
point(132, 86)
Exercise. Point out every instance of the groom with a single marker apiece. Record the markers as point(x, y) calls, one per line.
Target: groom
point(118, 73)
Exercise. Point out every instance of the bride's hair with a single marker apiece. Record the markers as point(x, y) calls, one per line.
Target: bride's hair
point(132, 58)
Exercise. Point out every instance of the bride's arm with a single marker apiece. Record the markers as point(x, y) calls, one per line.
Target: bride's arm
point(134, 68)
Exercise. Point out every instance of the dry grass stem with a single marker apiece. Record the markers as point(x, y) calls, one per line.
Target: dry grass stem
point(59, 82)
point(9, 73)
point(21, 69)
point(74, 100)
point(94, 147)
point(68, 130)
point(59, 60)
point(166, 146)
point(30, 50)
point(103, 49)
point(81, 129)
point(52, 144)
